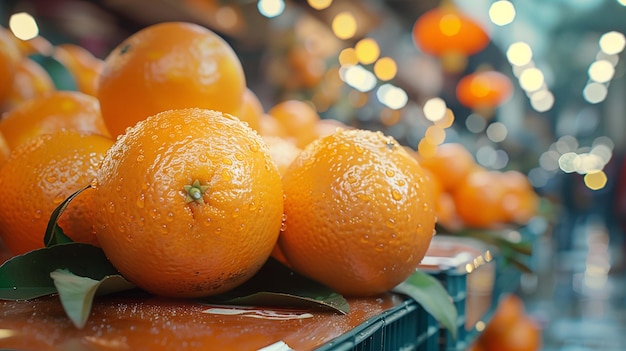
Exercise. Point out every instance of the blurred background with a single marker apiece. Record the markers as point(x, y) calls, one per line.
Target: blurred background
point(535, 86)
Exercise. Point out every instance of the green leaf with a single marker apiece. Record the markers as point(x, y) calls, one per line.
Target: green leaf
point(278, 286)
point(77, 293)
point(54, 235)
point(433, 296)
point(27, 276)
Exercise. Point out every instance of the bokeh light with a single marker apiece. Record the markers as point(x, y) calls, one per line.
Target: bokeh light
point(319, 4)
point(519, 53)
point(391, 96)
point(595, 92)
point(359, 78)
point(595, 180)
point(344, 25)
point(497, 132)
point(502, 12)
point(271, 8)
point(347, 57)
point(601, 71)
point(434, 109)
point(542, 100)
point(367, 50)
point(385, 68)
point(531, 79)
point(475, 123)
point(23, 26)
point(612, 42)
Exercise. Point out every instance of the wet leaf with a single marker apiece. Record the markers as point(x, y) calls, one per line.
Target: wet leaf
point(27, 276)
point(77, 293)
point(433, 296)
point(54, 234)
point(278, 286)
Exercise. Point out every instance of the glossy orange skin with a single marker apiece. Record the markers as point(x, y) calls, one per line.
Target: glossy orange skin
point(299, 119)
point(478, 199)
point(82, 64)
point(53, 112)
point(169, 65)
point(9, 59)
point(359, 212)
point(450, 164)
point(38, 176)
point(31, 81)
point(167, 245)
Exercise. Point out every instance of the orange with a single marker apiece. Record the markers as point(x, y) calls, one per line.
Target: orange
point(445, 209)
point(251, 110)
point(9, 58)
point(188, 203)
point(37, 45)
point(510, 328)
point(50, 113)
point(359, 212)
point(299, 119)
point(520, 201)
point(450, 164)
point(84, 67)
point(282, 151)
point(478, 199)
point(37, 176)
point(328, 126)
point(169, 65)
point(270, 126)
point(30, 81)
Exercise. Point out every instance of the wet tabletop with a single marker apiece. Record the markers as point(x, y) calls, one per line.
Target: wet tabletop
point(153, 323)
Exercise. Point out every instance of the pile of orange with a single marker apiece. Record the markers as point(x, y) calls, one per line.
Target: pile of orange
point(469, 195)
point(510, 329)
point(194, 184)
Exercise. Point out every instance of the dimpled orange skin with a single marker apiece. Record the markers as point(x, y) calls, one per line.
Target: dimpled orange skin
point(169, 65)
point(51, 113)
point(359, 213)
point(38, 176)
point(172, 247)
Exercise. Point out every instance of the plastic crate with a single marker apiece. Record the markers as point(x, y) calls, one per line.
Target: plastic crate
point(403, 328)
point(454, 261)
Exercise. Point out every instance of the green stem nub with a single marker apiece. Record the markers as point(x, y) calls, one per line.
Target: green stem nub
point(195, 192)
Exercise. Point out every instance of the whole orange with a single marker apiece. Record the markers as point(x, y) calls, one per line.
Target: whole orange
point(510, 328)
point(478, 199)
point(299, 119)
point(169, 65)
point(359, 212)
point(520, 201)
point(451, 163)
point(9, 58)
point(51, 113)
point(188, 203)
point(31, 81)
point(38, 176)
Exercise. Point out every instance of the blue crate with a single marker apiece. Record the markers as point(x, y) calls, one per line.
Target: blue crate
point(405, 327)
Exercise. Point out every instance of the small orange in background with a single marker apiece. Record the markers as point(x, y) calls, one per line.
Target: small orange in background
point(84, 67)
point(31, 81)
point(450, 164)
point(38, 176)
point(282, 151)
point(478, 199)
point(188, 203)
point(520, 201)
point(169, 65)
point(359, 212)
point(251, 109)
point(510, 328)
point(9, 59)
point(51, 113)
point(299, 119)
point(270, 126)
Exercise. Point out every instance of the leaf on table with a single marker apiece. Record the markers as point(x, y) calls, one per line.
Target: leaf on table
point(54, 235)
point(433, 297)
point(27, 276)
point(278, 286)
point(77, 293)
